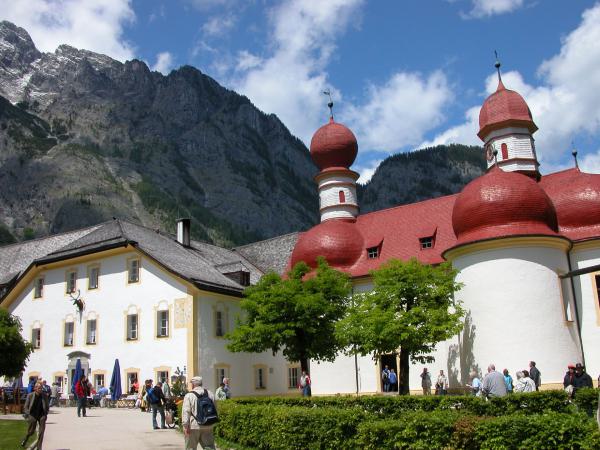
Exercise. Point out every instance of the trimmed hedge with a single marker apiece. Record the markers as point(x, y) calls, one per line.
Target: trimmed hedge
point(516, 421)
point(392, 406)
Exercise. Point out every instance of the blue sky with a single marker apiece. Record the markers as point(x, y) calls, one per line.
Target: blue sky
point(404, 74)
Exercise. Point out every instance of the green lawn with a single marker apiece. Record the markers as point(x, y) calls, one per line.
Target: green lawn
point(11, 433)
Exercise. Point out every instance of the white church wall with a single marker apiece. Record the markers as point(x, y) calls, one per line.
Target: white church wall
point(588, 305)
point(514, 299)
point(109, 303)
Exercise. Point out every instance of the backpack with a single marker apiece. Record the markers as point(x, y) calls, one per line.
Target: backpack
point(152, 397)
point(206, 412)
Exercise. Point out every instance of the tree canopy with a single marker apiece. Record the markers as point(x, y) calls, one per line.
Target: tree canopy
point(296, 315)
point(410, 309)
point(14, 349)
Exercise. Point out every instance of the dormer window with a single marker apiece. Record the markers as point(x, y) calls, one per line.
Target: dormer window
point(426, 242)
point(241, 277)
point(373, 252)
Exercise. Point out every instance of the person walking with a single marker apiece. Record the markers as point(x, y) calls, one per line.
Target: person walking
point(508, 381)
point(157, 401)
point(54, 393)
point(220, 393)
point(194, 433)
point(475, 384)
point(581, 379)
point(493, 383)
point(385, 378)
point(441, 384)
point(305, 383)
point(36, 409)
point(82, 392)
point(393, 381)
point(535, 375)
point(426, 381)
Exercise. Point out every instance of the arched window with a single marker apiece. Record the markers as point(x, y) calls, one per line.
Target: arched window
point(342, 197)
point(504, 149)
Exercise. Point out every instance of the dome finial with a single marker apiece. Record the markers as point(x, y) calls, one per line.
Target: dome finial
point(574, 153)
point(327, 92)
point(497, 65)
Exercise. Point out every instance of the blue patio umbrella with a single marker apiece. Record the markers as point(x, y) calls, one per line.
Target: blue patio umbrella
point(77, 376)
point(115, 382)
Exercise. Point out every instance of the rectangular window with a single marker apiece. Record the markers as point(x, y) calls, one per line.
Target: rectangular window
point(426, 242)
point(221, 372)
point(91, 331)
point(219, 328)
point(131, 379)
point(36, 337)
point(38, 288)
point(71, 282)
point(162, 322)
point(93, 276)
point(373, 252)
point(132, 327)
point(259, 378)
point(162, 376)
point(98, 380)
point(59, 380)
point(133, 275)
point(69, 332)
point(293, 377)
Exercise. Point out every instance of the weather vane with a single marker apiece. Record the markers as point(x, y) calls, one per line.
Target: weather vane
point(574, 153)
point(327, 92)
point(497, 65)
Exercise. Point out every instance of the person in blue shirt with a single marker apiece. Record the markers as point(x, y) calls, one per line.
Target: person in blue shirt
point(393, 381)
point(508, 381)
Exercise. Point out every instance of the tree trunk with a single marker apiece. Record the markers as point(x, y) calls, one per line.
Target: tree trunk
point(304, 364)
point(403, 372)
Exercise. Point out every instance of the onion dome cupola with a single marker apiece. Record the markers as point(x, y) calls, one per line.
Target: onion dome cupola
point(333, 149)
point(338, 241)
point(502, 204)
point(506, 126)
point(576, 199)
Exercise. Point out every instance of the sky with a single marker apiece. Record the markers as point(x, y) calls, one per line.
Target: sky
point(404, 74)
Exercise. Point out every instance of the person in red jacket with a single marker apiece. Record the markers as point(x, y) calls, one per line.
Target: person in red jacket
point(82, 391)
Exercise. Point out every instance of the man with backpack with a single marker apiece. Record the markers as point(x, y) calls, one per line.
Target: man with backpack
point(157, 401)
point(199, 414)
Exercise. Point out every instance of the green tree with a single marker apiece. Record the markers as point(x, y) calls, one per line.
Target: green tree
point(410, 309)
point(296, 314)
point(14, 349)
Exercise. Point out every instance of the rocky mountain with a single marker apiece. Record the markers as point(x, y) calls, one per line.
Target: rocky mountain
point(427, 173)
point(84, 138)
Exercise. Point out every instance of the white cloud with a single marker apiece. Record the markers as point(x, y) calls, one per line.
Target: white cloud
point(218, 25)
point(367, 170)
point(590, 163)
point(487, 8)
point(164, 63)
point(290, 80)
point(566, 101)
point(95, 25)
point(400, 111)
point(247, 60)
point(465, 133)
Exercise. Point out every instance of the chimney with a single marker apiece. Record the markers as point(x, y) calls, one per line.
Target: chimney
point(183, 231)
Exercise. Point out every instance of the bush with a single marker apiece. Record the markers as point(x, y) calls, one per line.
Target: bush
point(388, 406)
point(282, 427)
point(586, 400)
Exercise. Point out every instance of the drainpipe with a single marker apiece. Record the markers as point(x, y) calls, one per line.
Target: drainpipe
point(575, 308)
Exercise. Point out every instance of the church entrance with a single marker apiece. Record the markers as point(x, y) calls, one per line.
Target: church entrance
point(391, 361)
point(72, 363)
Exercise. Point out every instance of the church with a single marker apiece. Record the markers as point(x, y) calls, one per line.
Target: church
point(526, 247)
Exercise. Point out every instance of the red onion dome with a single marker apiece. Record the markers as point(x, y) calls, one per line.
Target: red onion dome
point(501, 204)
point(504, 108)
point(333, 145)
point(576, 197)
point(338, 241)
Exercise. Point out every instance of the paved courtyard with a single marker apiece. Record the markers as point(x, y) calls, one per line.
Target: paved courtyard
point(106, 429)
